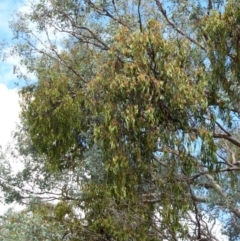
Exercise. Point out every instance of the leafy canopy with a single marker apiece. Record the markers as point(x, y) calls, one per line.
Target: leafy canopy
point(131, 120)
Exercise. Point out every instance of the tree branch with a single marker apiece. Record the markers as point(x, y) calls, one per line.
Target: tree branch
point(139, 15)
point(164, 13)
point(227, 137)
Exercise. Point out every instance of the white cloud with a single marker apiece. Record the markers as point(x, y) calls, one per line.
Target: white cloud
point(9, 109)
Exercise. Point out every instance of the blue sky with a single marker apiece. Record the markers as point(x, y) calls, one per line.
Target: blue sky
point(7, 10)
point(9, 101)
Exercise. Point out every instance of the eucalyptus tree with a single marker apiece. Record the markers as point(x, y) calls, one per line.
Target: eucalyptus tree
point(26, 225)
point(137, 103)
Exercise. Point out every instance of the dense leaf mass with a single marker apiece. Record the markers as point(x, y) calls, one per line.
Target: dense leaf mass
point(129, 128)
